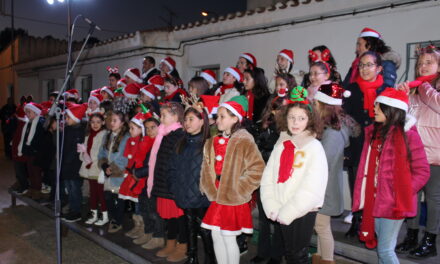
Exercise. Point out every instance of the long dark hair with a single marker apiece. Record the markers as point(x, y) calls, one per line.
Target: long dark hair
point(396, 118)
point(288, 78)
point(97, 115)
point(120, 135)
point(260, 89)
point(376, 45)
point(205, 130)
point(331, 59)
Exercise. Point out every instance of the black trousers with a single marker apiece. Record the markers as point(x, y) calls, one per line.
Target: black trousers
point(296, 239)
point(177, 229)
point(194, 217)
point(148, 210)
point(115, 207)
point(21, 174)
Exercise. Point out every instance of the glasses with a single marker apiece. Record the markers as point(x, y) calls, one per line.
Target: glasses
point(428, 63)
point(366, 65)
point(316, 73)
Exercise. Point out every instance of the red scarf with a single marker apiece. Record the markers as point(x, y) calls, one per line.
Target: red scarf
point(417, 82)
point(92, 135)
point(250, 113)
point(222, 89)
point(171, 96)
point(354, 70)
point(286, 162)
point(369, 91)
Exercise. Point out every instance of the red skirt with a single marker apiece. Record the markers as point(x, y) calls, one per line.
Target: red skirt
point(229, 220)
point(167, 208)
point(130, 188)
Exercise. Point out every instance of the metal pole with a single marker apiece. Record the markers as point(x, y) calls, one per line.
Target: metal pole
point(57, 190)
point(12, 50)
point(69, 41)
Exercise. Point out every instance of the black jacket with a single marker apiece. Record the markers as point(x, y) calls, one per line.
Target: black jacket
point(47, 154)
point(184, 174)
point(71, 163)
point(36, 143)
point(164, 153)
point(266, 140)
point(153, 72)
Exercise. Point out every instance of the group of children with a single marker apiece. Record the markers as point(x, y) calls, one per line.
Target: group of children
point(189, 161)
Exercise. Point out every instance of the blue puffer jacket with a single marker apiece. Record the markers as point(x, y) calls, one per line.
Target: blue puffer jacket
point(184, 174)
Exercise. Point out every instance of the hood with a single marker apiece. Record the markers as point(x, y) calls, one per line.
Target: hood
point(392, 56)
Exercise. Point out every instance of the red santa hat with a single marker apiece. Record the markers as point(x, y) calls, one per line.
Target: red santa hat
point(76, 112)
point(34, 107)
point(288, 54)
point(139, 120)
point(96, 97)
point(368, 32)
point(46, 104)
point(282, 92)
point(331, 93)
point(122, 83)
point(150, 91)
point(395, 98)
point(157, 81)
point(131, 91)
point(211, 103)
point(209, 76)
point(238, 105)
point(72, 93)
point(134, 74)
point(236, 73)
point(108, 90)
point(21, 115)
point(251, 58)
point(169, 62)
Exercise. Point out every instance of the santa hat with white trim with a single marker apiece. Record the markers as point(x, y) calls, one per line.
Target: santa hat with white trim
point(108, 90)
point(34, 107)
point(96, 97)
point(131, 91)
point(369, 32)
point(121, 83)
point(139, 120)
point(251, 58)
point(169, 62)
point(210, 103)
point(331, 93)
point(76, 112)
point(238, 105)
point(21, 115)
point(236, 73)
point(150, 91)
point(72, 93)
point(288, 54)
point(394, 98)
point(209, 76)
point(157, 81)
point(134, 74)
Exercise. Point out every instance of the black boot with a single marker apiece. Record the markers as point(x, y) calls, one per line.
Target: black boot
point(355, 225)
point(426, 248)
point(299, 257)
point(193, 229)
point(410, 242)
point(208, 246)
point(242, 243)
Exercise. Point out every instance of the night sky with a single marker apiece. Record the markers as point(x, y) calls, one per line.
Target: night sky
point(115, 17)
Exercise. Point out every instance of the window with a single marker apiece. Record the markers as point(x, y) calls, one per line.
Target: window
point(48, 87)
point(411, 57)
point(86, 87)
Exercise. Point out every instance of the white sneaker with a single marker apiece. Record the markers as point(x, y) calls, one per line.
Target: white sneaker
point(93, 218)
point(348, 218)
point(45, 188)
point(103, 220)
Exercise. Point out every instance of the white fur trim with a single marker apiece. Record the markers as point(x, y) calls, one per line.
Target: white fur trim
point(410, 121)
point(287, 57)
point(109, 91)
point(147, 93)
point(131, 96)
point(249, 58)
point(234, 73)
point(71, 115)
point(168, 64)
point(320, 96)
point(33, 108)
point(93, 98)
point(392, 102)
point(232, 109)
point(126, 197)
point(133, 76)
point(208, 78)
point(140, 124)
point(228, 232)
point(23, 119)
point(369, 34)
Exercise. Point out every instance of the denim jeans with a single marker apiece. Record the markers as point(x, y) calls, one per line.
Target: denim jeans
point(73, 187)
point(387, 231)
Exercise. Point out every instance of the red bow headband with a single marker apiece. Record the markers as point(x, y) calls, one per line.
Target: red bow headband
point(113, 70)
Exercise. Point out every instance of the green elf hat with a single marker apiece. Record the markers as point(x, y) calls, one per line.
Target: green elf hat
point(238, 105)
point(299, 95)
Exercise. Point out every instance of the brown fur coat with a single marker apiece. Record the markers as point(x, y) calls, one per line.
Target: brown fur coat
point(241, 174)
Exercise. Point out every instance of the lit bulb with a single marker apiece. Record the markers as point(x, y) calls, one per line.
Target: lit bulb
point(203, 13)
point(50, 2)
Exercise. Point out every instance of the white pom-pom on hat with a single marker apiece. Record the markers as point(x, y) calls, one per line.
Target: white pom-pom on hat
point(346, 93)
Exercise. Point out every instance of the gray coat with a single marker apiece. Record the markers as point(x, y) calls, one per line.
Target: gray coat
point(334, 142)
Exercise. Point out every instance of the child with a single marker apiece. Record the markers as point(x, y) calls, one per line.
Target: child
point(112, 163)
point(257, 93)
point(284, 64)
point(284, 83)
point(136, 149)
point(392, 169)
point(94, 101)
point(231, 172)
point(29, 146)
point(133, 76)
point(199, 85)
point(113, 77)
point(323, 54)
point(246, 61)
point(424, 104)
point(172, 90)
point(89, 150)
point(19, 161)
point(338, 127)
point(184, 179)
point(167, 68)
point(294, 180)
point(107, 93)
point(73, 134)
point(149, 96)
point(231, 86)
point(211, 78)
point(170, 131)
point(319, 74)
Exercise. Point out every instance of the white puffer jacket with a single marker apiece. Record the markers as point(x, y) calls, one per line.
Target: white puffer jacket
point(94, 170)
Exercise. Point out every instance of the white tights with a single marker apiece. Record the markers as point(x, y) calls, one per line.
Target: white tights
point(225, 248)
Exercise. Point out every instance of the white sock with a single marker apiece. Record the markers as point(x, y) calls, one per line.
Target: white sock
point(219, 247)
point(232, 249)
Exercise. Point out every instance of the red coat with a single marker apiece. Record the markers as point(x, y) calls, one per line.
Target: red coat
point(385, 199)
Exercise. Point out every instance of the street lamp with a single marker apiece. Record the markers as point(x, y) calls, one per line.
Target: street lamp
point(206, 13)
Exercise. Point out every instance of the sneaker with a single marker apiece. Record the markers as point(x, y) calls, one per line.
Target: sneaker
point(45, 188)
point(72, 217)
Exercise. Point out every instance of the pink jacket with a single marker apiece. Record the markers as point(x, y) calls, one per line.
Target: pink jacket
point(425, 106)
point(385, 201)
